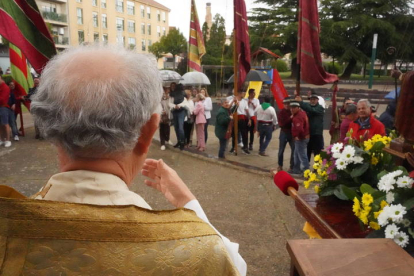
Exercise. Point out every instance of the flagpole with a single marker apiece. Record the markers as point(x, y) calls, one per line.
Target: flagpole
point(298, 58)
point(235, 92)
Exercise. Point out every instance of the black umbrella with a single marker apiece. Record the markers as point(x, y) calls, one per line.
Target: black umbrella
point(253, 75)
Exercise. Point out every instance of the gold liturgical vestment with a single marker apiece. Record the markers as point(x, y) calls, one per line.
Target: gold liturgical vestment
point(56, 238)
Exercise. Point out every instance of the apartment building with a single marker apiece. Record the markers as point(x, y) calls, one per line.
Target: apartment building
point(133, 23)
point(54, 13)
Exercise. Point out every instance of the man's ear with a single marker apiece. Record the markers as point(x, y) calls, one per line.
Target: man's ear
point(147, 132)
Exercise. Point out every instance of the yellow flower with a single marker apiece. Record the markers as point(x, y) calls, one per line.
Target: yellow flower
point(315, 166)
point(324, 173)
point(367, 199)
point(317, 158)
point(374, 225)
point(356, 208)
point(312, 177)
point(376, 214)
point(316, 189)
point(383, 204)
point(306, 173)
point(306, 184)
point(364, 217)
point(319, 171)
point(374, 160)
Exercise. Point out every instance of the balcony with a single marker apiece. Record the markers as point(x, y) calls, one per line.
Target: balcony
point(53, 16)
point(61, 40)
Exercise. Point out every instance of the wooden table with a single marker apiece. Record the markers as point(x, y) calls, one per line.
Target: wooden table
point(347, 257)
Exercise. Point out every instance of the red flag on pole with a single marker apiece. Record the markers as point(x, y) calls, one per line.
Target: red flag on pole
point(22, 25)
point(278, 89)
point(241, 33)
point(197, 48)
point(309, 50)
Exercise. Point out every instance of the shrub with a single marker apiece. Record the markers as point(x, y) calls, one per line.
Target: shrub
point(280, 65)
point(335, 68)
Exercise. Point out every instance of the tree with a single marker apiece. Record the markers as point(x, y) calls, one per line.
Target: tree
point(205, 31)
point(174, 43)
point(275, 28)
point(215, 45)
point(156, 50)
point(348, 27)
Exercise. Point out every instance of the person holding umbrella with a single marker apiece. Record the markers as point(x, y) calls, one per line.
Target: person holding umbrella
point(178, 112)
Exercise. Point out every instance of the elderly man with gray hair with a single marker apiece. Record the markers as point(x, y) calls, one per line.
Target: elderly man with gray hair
point(98, 105)
point(366, 126)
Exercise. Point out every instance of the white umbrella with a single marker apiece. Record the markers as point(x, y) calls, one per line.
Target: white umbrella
point(169, 76)
point(195, 78)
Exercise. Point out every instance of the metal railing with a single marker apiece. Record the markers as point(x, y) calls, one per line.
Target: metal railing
point(55, 16)
point(61, 40)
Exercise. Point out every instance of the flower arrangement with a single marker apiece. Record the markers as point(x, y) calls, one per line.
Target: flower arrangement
point(349, 164)
point(390, 209)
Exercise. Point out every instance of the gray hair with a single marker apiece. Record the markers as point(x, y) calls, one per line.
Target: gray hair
point(93, 100)
point(365, 101)
point(350, 109)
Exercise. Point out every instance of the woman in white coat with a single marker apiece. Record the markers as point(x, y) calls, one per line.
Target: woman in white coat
point(208, 106)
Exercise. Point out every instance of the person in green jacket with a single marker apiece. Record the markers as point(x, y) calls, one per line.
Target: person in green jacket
point(223, 118)
point(315, 114)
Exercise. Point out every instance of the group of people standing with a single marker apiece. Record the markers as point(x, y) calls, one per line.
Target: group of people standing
point(188, 110)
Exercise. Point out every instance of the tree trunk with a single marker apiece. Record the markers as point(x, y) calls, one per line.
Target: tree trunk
point(379, 71)
point(174, 62)
point(365, 69)
point(348, 70)
point(293, 68)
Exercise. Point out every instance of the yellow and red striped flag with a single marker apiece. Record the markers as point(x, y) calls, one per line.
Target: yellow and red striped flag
point(20, 71)
point(197, 48)
point(22, 25)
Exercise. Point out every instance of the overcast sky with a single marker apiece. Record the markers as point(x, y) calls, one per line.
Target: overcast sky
point(180, 12)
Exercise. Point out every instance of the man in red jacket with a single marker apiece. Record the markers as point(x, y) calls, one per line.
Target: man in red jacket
point(366, 125)
point(4, 114)
point(300, 133)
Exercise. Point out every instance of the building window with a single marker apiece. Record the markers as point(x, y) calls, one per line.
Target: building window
point(104, 21)
point(158, 31)
point(132, 43)
point(95, 19)
point(143, 45)
point(163, 31)
point(79, 14)
point(50, 8)
point(121, 40)
point(120, 24)
point(131, 8)
point(149, 43)
point(149, 29)
point(149, 12)
point(81, 37)
point(163, 17)
point(158, 16)
point(105, 38)
point(79, 1)
point(131, 26)
point(96, 37)
point(119, 5)
point(142, 28)
point(94, 3)
point(103, 5)
point(142, 11)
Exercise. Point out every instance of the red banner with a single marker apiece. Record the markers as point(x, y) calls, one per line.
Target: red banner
point(241, 32)
point(309, 50)
point(278, 89)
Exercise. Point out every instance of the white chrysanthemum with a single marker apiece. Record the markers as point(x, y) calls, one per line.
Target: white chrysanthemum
point(337, 147)
point(341, 164)
point(401, 239)
point(396, 173)
point(386, 183)
point(383, 218)
point(405, 182)
point(396, 212)
point(336, 155)
point(391, 230)
point(348, 153)
point(358, 160)
point(390, 198)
